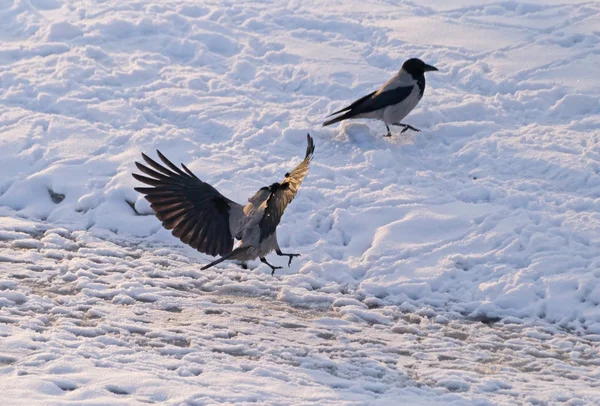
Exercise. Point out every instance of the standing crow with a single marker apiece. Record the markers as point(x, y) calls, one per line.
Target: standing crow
point(393, 101)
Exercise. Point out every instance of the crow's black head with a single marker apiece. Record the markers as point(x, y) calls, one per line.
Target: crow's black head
point(417, 67)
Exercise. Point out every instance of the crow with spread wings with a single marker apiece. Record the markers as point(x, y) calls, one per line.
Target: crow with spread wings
point(206, 220)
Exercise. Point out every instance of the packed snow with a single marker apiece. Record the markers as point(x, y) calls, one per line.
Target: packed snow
point(457, 265)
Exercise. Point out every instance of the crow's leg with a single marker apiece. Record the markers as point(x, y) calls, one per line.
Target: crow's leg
point(389, 133)
point(406, 127)
point(282, 254)
point(273, 268)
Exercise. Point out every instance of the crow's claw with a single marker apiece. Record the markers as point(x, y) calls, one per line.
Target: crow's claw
point(273, 267)
point(291, 257)
point(406, 127)
point(283, 254)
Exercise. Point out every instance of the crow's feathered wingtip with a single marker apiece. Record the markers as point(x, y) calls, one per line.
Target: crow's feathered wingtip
point(146, 180)
point(310, 148)
point(170, 164)
point(143, 190)
point(139, 165)
point(145, 157)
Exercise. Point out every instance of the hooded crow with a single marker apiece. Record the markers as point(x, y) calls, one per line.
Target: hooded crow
point(206, 220)
point(393, 101)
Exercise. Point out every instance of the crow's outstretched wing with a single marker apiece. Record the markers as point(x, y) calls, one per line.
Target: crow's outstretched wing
point(283, 193)
point(196, 212)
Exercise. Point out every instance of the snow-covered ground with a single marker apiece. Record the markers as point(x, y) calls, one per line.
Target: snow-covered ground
point(456, 265)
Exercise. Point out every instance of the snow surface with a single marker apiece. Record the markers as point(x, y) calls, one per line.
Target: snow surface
point(459, 265)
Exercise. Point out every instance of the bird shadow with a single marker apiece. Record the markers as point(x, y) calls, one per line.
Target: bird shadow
point(372, 136)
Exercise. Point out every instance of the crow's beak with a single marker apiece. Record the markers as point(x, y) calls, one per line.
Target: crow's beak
point(429, 68)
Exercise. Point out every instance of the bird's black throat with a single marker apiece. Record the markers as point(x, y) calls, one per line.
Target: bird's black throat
point(421, 84)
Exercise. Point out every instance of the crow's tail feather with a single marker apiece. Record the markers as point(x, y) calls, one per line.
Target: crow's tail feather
point(231, 255)
point(337, 119)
